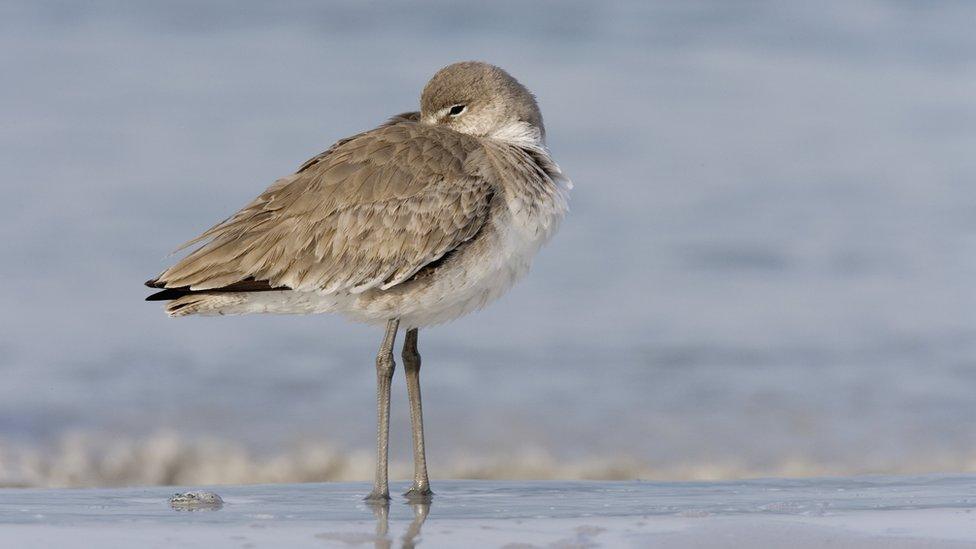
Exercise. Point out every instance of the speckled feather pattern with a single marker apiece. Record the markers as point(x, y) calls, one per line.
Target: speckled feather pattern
point(371, 213)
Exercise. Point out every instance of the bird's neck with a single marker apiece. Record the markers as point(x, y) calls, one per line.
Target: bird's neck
point(519, 134)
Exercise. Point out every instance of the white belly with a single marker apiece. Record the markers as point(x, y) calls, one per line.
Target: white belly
point(481, 276)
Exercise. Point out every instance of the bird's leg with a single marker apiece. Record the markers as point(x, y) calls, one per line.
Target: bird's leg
point(384, 377)
point(420, 491)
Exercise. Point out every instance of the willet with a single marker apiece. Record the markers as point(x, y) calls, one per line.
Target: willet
point(423, 219)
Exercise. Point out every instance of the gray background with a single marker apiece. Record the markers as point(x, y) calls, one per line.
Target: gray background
point(767, 269)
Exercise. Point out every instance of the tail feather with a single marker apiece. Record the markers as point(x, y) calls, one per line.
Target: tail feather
point(204, 303)
point(243, 297)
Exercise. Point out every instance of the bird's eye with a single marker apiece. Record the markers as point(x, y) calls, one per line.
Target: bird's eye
point(456, 110)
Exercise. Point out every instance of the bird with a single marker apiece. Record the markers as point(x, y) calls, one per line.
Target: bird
point(425, 218)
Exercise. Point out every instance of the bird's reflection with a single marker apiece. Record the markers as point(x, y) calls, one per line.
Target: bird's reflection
point(420, 511)
point(381, 511)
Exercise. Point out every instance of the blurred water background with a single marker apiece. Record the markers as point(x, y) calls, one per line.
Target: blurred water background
point(767, 269)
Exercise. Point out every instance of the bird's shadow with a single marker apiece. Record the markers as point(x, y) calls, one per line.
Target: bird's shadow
point(381, 511)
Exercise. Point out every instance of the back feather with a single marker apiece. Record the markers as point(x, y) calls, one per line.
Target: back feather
point(368, 213)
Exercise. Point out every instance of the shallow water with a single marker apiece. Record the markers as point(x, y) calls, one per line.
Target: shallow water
point(767, 270)
point(934, 511)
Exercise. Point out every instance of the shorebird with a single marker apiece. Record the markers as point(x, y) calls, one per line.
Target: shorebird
point(425, 218)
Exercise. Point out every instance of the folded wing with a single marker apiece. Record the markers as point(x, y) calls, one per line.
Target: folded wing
point(368, 213)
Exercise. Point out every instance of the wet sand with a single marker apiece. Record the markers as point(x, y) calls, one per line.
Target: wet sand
point(931, 511)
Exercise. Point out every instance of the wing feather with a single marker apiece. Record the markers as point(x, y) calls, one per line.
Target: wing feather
point(370, 212)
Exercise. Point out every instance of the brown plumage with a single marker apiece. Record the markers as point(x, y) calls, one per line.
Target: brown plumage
point(369, 212)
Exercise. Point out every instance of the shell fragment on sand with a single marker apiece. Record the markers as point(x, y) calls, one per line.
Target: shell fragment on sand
point(196, 500)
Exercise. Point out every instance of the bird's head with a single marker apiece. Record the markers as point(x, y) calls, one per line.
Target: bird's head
point(482, 100)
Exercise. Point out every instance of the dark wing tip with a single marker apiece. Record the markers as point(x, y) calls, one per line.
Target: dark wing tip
point(168, 294)
point(246, 285)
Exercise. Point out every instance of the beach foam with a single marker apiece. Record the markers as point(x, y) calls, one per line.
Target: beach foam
point(167, 458)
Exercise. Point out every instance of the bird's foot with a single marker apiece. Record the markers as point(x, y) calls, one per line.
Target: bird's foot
point(378, 496)
point(419, 494)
